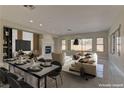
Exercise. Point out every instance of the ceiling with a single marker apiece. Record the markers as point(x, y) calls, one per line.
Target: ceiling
point(58, 19)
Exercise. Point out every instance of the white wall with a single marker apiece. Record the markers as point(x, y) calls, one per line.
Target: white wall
point(47, 40)
point(1, 43)
point(118, 61)
point(14, 37)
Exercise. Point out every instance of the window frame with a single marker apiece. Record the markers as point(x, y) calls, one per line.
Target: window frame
point(63, 45)
point(81, 44)
point(72, 48)
point(100, 44)
point(86, 44)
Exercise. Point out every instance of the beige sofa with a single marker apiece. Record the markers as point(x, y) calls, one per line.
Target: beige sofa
point(88, 67)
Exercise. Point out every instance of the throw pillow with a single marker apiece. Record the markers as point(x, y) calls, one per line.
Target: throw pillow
point(81, 60)
point(88, 55)
point(85, 60)
point(91, 61)
point(76, 57)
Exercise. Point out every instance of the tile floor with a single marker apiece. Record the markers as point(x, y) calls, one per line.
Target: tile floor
point(112, 76)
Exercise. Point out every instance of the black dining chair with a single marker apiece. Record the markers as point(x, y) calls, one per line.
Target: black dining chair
point(54, 74)
point(3, 75)
point(42, 60)
point(1, 79)
point(13, 83)
point(4, 69)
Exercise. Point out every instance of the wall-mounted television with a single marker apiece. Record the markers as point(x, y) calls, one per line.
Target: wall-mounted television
point(24, 45)
point(47, 49)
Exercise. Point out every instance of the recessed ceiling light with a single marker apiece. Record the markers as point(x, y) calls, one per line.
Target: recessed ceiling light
point(31, 21)
point(41, 25)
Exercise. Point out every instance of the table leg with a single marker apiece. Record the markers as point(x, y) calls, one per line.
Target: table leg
point(38, 83)
point(45, 82)
point(9, 68)
point(13, 69)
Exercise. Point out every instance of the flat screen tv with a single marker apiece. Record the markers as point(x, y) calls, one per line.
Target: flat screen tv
point(24, 45)
point(48, 49)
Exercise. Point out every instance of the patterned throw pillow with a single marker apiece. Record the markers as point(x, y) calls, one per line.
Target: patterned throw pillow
point(76, 57)
point(81, 60)
point(91, 61)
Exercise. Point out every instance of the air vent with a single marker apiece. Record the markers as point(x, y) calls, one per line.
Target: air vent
point(31, 7)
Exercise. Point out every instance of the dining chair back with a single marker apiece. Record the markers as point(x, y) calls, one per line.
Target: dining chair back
point(13, 83)
point(56, 72)
point(3, 76)
point(4, 69)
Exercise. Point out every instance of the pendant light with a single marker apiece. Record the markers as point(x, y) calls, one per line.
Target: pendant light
point(76, 42)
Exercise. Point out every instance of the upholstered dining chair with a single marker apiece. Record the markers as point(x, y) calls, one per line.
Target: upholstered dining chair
point(58, 57)
point(54, 74)
point(4, 72)
point(13, 83)
point(1, 79)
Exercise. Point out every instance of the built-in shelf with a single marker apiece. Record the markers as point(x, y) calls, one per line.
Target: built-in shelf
point(7, 46)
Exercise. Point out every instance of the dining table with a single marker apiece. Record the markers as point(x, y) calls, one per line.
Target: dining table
point(43, 73)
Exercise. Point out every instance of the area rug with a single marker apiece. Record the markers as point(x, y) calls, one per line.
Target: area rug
point(100, 70)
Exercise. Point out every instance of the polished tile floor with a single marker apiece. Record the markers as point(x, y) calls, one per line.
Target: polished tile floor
point(112, 78)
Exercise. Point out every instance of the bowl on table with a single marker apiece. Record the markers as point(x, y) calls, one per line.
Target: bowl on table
point(46, 64)
point(20, 62)
point(36, 68)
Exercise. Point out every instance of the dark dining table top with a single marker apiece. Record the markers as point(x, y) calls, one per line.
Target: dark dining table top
point(39, 74)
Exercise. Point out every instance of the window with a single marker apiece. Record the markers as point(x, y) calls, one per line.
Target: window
point(76, 47)
point(87, 44)
point(84, 45)
point(63, 44)
point(28, 36)
point(100, 44)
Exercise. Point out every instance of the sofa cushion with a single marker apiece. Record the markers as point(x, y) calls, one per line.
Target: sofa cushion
point(88, 55)
point(88, 68)
point(81, 60)
point(76, 57)
point(74, 64)
point(89, 64)
point(85, 60)
point(74, 69)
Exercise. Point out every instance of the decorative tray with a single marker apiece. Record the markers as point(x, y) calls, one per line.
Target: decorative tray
point(20, 63)
point(35, 68)
point(46, 64)
point(10, 59)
